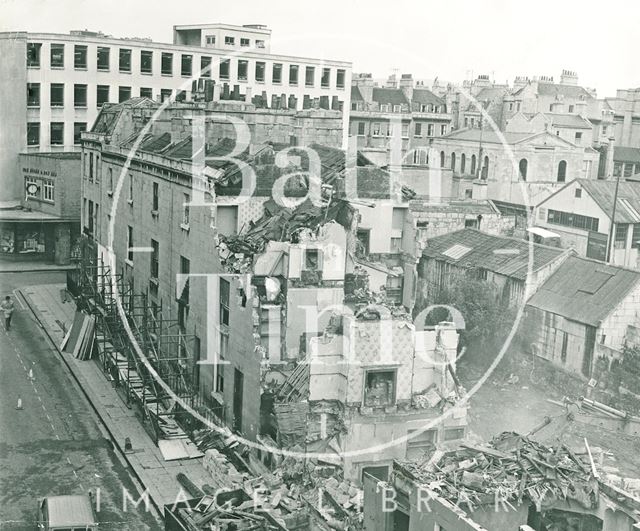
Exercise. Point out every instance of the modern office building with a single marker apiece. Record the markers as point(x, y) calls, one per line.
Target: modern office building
point(55, 84)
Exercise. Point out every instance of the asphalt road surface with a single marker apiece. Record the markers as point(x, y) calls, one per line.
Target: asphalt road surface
point(55, 444)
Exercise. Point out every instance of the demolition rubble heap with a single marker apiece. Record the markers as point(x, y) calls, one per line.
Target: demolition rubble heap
point(279, 224)
point(245, 495)
point(511, 467)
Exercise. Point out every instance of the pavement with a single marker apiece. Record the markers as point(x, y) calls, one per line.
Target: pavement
point(54, 444)
point(156, 475)
point(29, 266)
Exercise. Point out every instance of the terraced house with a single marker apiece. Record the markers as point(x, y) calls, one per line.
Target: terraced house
point(394, 124)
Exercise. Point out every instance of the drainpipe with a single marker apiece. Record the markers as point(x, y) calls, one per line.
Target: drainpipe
point(613, 218)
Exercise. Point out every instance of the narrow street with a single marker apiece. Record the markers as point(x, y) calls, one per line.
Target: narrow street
point(54, 444)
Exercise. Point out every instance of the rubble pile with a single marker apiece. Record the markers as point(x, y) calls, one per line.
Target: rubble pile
point(509, 468)
point(278, 224)
point(294, 491)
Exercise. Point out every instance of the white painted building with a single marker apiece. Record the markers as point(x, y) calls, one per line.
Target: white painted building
point(54, 84)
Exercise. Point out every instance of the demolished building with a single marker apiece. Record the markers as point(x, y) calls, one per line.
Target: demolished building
point(511, 483)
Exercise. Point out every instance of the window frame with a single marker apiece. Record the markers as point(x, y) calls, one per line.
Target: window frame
point(58, 126)
point(206, 66)
point(58, 103)
point(48, 190)
point(30, 88)
point(59, 48)
point(276, 80)
point(561, 175)
point(146, 92)
point(80, 51)
point(621, 234)
point(224, 69)
point(103, 52)
point(130, 243)
point(155, 196)
point(146, 54)
point(164, 57)
point(263, 77)
point(37, 126)
point(325, 78)
point(78, 137)
point(80, 88)
point(34, 62)
point(125, 89)
point(242, 70)
point(186, 213)
point(101, 89)
point(124, 56)
point(154, 272)
point(186, 65)
point(294, 75)
point(224, 298)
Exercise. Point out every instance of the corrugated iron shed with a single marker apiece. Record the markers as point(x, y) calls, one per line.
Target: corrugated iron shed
point(501, 255)
point(584, 290)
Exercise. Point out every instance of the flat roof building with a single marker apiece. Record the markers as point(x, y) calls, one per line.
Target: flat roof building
point(56, 83)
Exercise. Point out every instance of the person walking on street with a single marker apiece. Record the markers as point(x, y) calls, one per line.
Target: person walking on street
point(7, 309)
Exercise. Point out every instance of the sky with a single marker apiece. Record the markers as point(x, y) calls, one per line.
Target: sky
point(452, 40)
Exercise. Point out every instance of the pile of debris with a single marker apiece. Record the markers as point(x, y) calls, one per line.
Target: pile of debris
point(292, 490)
point(279, 224)
point(509, 468)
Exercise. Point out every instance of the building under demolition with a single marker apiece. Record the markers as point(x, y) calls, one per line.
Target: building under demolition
point(512, 483)
point(256, 307)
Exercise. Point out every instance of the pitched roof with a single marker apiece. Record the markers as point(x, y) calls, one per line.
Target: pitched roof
point(569, 120)
point(457, 207)
point(626, 154)
point(490, 93)
point(584, 290)
point(389, 96)
point(557, 89)
point(471, 248)
point(356, 95)
point(110, 112)
point(603, 192)
point(425, 96)
point(489, 137)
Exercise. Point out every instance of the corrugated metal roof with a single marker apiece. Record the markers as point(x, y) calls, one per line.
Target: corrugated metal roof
point(585, 290)
point(626, 154)
point(505, 256)
point(603, 192)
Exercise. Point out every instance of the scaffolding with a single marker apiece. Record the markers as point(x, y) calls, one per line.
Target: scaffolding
point(152, 365)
